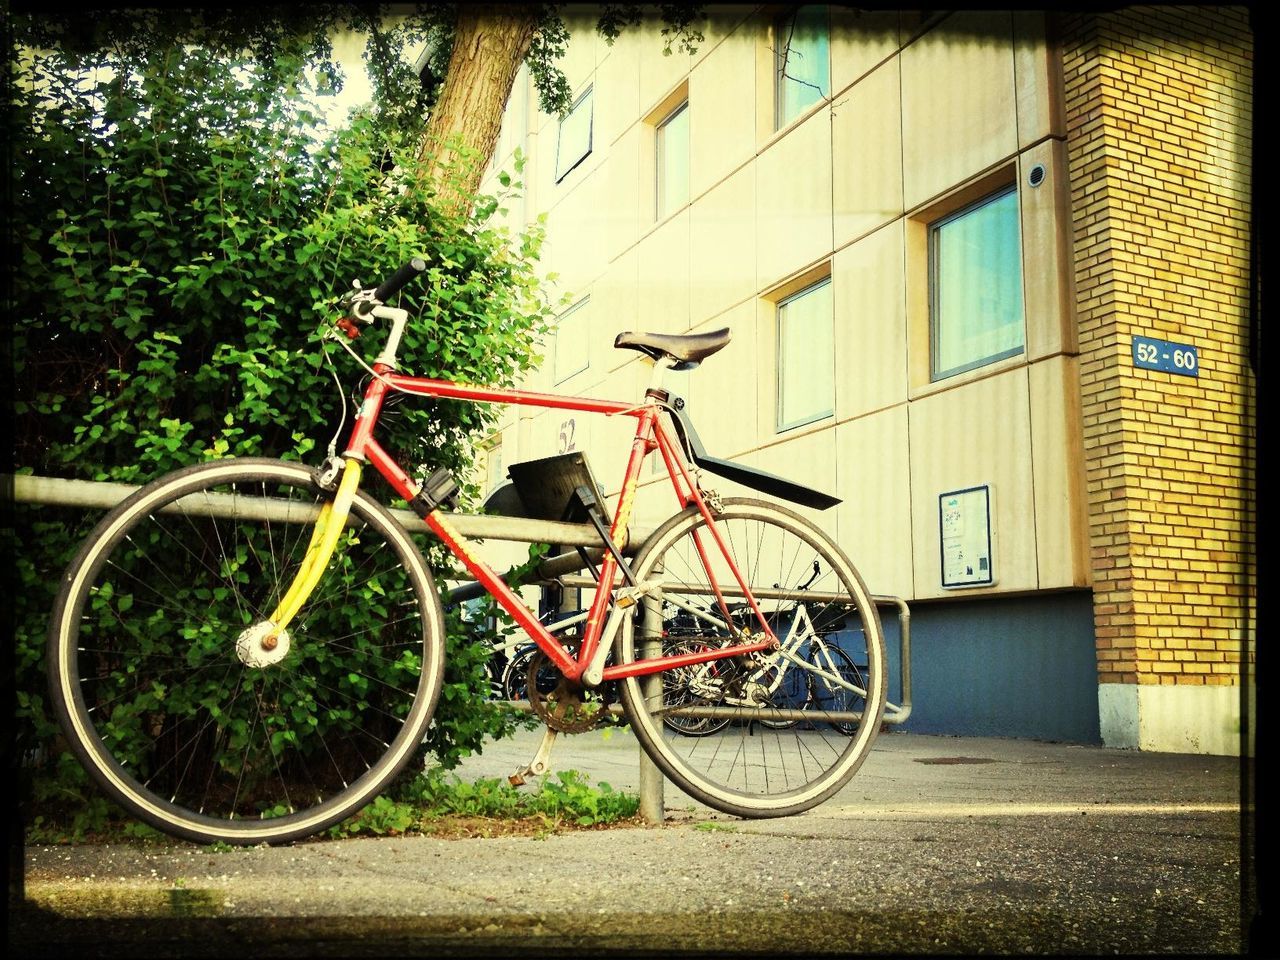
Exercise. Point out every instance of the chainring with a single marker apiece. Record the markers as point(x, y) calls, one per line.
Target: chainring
point(568, 708)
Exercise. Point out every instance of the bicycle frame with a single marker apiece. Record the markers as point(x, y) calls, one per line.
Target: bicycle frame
point(820, 646)
point(651, 435)
point(801, 630)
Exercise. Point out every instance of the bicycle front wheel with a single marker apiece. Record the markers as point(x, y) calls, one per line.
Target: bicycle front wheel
point(760, 764)
point(185, 713)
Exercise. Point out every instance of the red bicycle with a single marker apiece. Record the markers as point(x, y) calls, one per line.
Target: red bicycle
point(249, 650)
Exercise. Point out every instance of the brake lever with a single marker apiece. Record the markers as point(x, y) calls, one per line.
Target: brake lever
point(358, 305)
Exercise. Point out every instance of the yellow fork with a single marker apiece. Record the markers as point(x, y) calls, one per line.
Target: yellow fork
point(329, 525)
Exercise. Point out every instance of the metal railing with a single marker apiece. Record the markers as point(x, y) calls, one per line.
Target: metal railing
point(89, 494)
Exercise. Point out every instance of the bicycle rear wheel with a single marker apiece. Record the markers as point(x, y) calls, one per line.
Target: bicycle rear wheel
point(175, 705)
point(515, 679)
point(760, 765)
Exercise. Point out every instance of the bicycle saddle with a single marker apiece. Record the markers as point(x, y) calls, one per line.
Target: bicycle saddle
point(688, 350)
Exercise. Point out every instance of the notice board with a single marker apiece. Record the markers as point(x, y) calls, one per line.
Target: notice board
point(964, 527)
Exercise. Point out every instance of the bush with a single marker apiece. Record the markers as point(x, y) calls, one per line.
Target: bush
point(179, 234)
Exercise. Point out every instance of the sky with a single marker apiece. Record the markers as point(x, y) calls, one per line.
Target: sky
point(348, 51)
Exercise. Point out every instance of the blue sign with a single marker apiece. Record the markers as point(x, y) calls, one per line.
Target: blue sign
point(1168, 357)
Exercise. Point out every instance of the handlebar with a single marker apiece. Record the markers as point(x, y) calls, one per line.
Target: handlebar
point(362, 302)
point(391, 286)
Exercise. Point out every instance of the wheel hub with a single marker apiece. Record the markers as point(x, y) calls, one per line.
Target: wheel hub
point(262, 645)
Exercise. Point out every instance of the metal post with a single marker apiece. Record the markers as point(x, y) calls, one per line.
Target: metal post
point(899, 712)
point(651, 780)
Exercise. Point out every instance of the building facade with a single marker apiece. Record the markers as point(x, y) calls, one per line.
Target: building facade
point(988, 279)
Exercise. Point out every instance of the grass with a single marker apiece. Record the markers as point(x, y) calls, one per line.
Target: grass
point(430, 804)
point(437, 805)
point(710, 826)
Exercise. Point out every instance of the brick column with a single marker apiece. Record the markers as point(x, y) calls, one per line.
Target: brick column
point(1158, 107)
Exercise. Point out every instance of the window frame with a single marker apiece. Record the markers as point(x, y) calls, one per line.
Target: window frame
point(783, 25)
point(587, 95)
point(937, 375)
point(781, 425)
point(492, 463)
point(557, 375)
point(661, 208)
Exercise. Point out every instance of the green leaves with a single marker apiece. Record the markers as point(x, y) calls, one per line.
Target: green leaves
point(185, 205)
point(181, 231)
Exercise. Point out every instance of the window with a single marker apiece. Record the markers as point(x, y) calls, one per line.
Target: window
point(494, 468)
point(975, 286)
point(571, 342)
point(802, 62)
point(673, 160)
point(574, 141)
point(806, 356)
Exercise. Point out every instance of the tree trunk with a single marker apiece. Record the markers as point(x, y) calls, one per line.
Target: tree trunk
point(490, 43)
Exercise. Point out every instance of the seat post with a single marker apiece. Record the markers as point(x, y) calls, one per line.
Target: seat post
point(658, 377)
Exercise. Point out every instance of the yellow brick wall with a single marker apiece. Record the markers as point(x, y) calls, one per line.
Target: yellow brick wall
point(1158, 111)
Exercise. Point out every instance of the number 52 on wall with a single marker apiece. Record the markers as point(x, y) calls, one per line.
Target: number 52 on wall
point(1168, 357)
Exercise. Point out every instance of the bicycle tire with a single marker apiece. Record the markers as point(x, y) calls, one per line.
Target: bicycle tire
point(826, 698)
point(515, 676)
point(746, 769)
point(683, 689)
point(178, 716)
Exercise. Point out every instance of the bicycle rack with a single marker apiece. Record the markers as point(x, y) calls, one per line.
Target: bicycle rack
point(99, 494)
point(899, 712)
point(583, 537)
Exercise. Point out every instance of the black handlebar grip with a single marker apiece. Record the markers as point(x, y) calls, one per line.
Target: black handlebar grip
point(390, 287)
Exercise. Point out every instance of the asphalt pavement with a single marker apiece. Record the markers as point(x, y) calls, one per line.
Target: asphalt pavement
point(937, 845)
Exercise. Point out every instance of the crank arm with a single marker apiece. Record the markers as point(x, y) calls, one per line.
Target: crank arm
point(538, 765)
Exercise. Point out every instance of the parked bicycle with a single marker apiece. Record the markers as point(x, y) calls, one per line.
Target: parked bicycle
point(826, 683)
point(249, 650)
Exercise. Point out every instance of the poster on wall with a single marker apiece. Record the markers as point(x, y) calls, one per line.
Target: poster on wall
point(964, 525)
